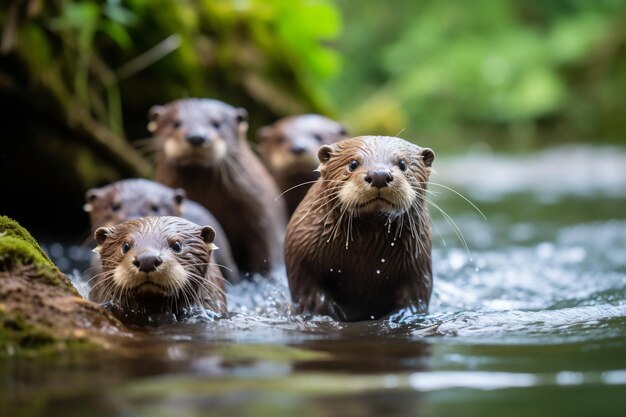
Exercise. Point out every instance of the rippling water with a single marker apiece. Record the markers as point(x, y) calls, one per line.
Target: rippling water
point(528, 319)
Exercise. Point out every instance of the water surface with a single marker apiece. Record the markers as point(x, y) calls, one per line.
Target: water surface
point(527, 319)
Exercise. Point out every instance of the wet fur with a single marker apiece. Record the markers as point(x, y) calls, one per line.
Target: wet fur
point(234, 186)
point(135, 198)
point(184, 280)
point(334, 245)
point(295, 172)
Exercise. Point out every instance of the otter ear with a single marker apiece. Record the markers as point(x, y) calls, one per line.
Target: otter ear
point(179, 196)
point(241, 118)
point(91, 196)
point(101, 235)
point(208, 235)
point(428, 156)
point(154, 114)
point(324, 153)
point(241, 115)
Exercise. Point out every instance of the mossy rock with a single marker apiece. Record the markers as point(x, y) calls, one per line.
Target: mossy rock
point(17, 246)
point(40, 310)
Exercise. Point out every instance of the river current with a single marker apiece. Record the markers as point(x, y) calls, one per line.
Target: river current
point(528, 317)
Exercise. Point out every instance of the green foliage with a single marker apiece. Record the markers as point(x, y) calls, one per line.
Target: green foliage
point(491, 65)
point(266, 54)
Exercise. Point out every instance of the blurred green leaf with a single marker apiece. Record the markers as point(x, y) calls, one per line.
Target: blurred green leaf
point(117, 33)
point(484, 66)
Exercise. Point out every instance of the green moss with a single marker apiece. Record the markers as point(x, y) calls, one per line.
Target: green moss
point(21, 257)
point(14, 251)
point(17, 246)
point(19, 336)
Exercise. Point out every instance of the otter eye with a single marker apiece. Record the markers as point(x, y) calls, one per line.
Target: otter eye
point(318, 138)
point(280, 139)
point(216, 124)
point(402, 165)
point(116, 206)
point(352, 166)
point(125, 248)
point(176, 124)
point(154, 208)
point(176, 247)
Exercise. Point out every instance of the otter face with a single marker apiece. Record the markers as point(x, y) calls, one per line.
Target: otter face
point(290, 145)
point(376, 174)
point(131, 199)
point(154, 257)
point(200, 132)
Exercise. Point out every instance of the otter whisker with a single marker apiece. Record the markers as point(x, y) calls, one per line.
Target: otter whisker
point(293, 188)
point(331, 212)
point(460, 195)
point(452, 224)
point(312, 204)
point(302, 184)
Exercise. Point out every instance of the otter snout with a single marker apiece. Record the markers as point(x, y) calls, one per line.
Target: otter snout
point(378, 178)
point(196, 139)
point(147, 262)
point(298, 149)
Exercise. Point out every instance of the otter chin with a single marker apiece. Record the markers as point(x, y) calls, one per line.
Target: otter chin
point(158, 265)
point(358, 247)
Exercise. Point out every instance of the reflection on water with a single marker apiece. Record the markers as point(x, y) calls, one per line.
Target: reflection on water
point(529, 319)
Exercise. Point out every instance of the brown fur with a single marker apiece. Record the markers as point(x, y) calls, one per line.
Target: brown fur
point(182, 279)
point(355, 251)
point(223, 174)
point(289, 149)
point(135, 198)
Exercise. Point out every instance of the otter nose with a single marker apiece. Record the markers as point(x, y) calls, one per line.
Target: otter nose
point(196, 139)
point(378, 178)
point(298, 149)
point(147, 262)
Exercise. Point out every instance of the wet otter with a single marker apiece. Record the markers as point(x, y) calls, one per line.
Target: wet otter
point(202, 148)
point(359, 245)
point(156, 265)
point(289, 149)
point(134, 198)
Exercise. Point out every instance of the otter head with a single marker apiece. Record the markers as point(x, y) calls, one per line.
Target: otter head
point(375, 174)
point(290, 145)
point(154, 258)
point(131, 199)
point(200, 132)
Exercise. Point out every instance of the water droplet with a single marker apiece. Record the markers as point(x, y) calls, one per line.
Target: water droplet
point(331, 270)
point(339, 270)
point(383, 260)
point(393, 243)
point(378, 271)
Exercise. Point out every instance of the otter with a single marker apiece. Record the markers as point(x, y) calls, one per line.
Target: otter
point(202, 148)
point(358, 247)
point(289, 149)
point(156, 265)
point(134, 198)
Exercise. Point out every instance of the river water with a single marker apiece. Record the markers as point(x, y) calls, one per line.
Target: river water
point(528, 318)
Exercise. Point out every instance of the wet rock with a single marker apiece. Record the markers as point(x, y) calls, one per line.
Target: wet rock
point(40, 310)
